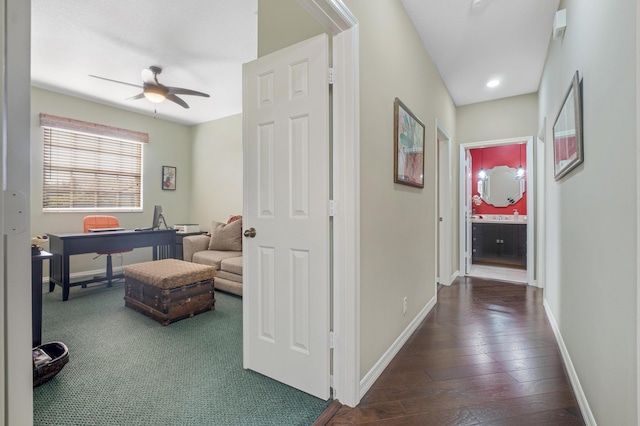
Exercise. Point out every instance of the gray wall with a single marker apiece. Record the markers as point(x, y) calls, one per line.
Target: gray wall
point(282, 23)
point(398, 223)
point(216, 166)
point(591, 214)
point(501, 119)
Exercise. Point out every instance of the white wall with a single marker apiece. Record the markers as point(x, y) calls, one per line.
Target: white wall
point(169, 145)
point(216, 166)
point(501, 119)
point(398, 223)
point(591, 214)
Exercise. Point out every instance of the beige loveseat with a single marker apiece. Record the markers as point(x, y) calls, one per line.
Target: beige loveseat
point(222, 249)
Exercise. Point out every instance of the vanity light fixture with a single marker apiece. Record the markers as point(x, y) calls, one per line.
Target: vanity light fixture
point(482, 174)
point(520, 169)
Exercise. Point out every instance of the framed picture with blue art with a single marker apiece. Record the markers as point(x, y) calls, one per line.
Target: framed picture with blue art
point(168, 178)
point(408, 166)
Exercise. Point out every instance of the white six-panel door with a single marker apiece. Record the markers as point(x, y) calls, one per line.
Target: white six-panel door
point(286, 285)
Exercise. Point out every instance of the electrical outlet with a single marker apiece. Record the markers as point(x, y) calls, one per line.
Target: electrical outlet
point(404, 305)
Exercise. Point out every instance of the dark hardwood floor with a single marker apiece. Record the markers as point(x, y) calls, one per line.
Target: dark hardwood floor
point(485, 355)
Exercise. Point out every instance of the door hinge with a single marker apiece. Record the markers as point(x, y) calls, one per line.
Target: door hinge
point(15, 212)
point(332, 340)
point(333, 208)
point(332, 75)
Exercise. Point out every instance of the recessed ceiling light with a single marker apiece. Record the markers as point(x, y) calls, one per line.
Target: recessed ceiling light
point(493, 83)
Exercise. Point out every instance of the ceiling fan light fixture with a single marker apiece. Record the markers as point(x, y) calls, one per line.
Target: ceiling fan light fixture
point(154, 94)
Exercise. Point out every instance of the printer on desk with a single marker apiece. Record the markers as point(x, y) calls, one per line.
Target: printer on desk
point(186, 228)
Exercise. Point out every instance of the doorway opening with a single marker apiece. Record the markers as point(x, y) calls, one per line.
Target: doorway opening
point(497, 206)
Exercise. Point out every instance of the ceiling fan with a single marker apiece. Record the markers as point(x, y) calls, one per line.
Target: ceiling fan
point(154, 91)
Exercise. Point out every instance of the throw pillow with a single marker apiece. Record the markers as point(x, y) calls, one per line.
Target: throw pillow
point(234, 218)
point(226, 236)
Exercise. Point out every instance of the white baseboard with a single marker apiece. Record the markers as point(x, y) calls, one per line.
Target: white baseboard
point(573, 375)
point(95, 272)
point(369, 379)
point(453, 277)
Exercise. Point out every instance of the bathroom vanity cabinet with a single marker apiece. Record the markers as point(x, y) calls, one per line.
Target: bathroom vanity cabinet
point(504, 243)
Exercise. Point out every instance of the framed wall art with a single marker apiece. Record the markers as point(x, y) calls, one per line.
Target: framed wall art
point(408, 166)
point(567, 132)
point(168, 178)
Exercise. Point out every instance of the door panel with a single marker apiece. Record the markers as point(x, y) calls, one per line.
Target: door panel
point(286, 193)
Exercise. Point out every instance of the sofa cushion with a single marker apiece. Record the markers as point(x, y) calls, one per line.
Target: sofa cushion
point(228, 286)
point(232, 264)
point(229, 276)
point(214, 257)
point(226, 236)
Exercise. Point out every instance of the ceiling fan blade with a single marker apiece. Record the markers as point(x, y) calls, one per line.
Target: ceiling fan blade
point(177, 100)
point(181, 91)
point(115, 81)
point(138, 96)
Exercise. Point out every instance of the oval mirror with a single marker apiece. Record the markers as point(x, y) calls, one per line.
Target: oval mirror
point(502, 187)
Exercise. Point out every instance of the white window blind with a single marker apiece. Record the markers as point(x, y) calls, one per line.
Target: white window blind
point(85, 171)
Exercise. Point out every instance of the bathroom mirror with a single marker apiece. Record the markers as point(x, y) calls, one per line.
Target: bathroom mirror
point(501, 188)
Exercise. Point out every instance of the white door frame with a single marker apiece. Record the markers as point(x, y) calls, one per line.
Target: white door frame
point(443, 249)
point(15, 254)
point(341, 23)
point(531, 204)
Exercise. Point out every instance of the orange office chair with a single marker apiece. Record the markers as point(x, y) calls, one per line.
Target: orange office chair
point(101, 222)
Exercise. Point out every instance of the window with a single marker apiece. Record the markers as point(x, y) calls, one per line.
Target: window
point(89, 166)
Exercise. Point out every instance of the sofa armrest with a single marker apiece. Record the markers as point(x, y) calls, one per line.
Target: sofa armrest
point(193, 244)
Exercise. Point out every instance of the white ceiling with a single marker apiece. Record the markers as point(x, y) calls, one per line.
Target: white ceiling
point(202, 44)
point(504, 39)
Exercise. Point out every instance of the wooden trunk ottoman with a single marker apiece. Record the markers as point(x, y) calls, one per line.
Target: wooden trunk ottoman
point(169, 290)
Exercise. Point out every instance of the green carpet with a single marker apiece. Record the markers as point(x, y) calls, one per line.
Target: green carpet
point(126, 369)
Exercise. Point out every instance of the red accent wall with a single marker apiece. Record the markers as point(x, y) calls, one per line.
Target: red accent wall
point(503, 155)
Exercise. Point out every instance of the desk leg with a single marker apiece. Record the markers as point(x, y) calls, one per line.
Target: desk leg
point(36, 302)
point(65, 277)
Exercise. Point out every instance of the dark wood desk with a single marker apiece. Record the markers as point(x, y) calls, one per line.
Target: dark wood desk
point(64, 245)
point(36, 295)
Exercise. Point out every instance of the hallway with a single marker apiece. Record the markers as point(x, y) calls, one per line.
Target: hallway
point(485, 355)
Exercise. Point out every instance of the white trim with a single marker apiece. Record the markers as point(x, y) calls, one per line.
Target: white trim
point(443, 205)
point(462, 246)
point(340, 22)
point(94, 272)
point(540, 213)
point(16, 252)
point(496, 142)
point(332, 14)
point(531, 211)
point(369, 379)
point(571, 371)
point(453, 277)
point(346, 225)
point(637, 214)
point(4, 363)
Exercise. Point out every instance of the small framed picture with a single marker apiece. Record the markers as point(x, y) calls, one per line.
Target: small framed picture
point(408, 166)
point(168, 178)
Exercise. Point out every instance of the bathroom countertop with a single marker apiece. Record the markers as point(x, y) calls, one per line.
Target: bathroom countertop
point(522, 220)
